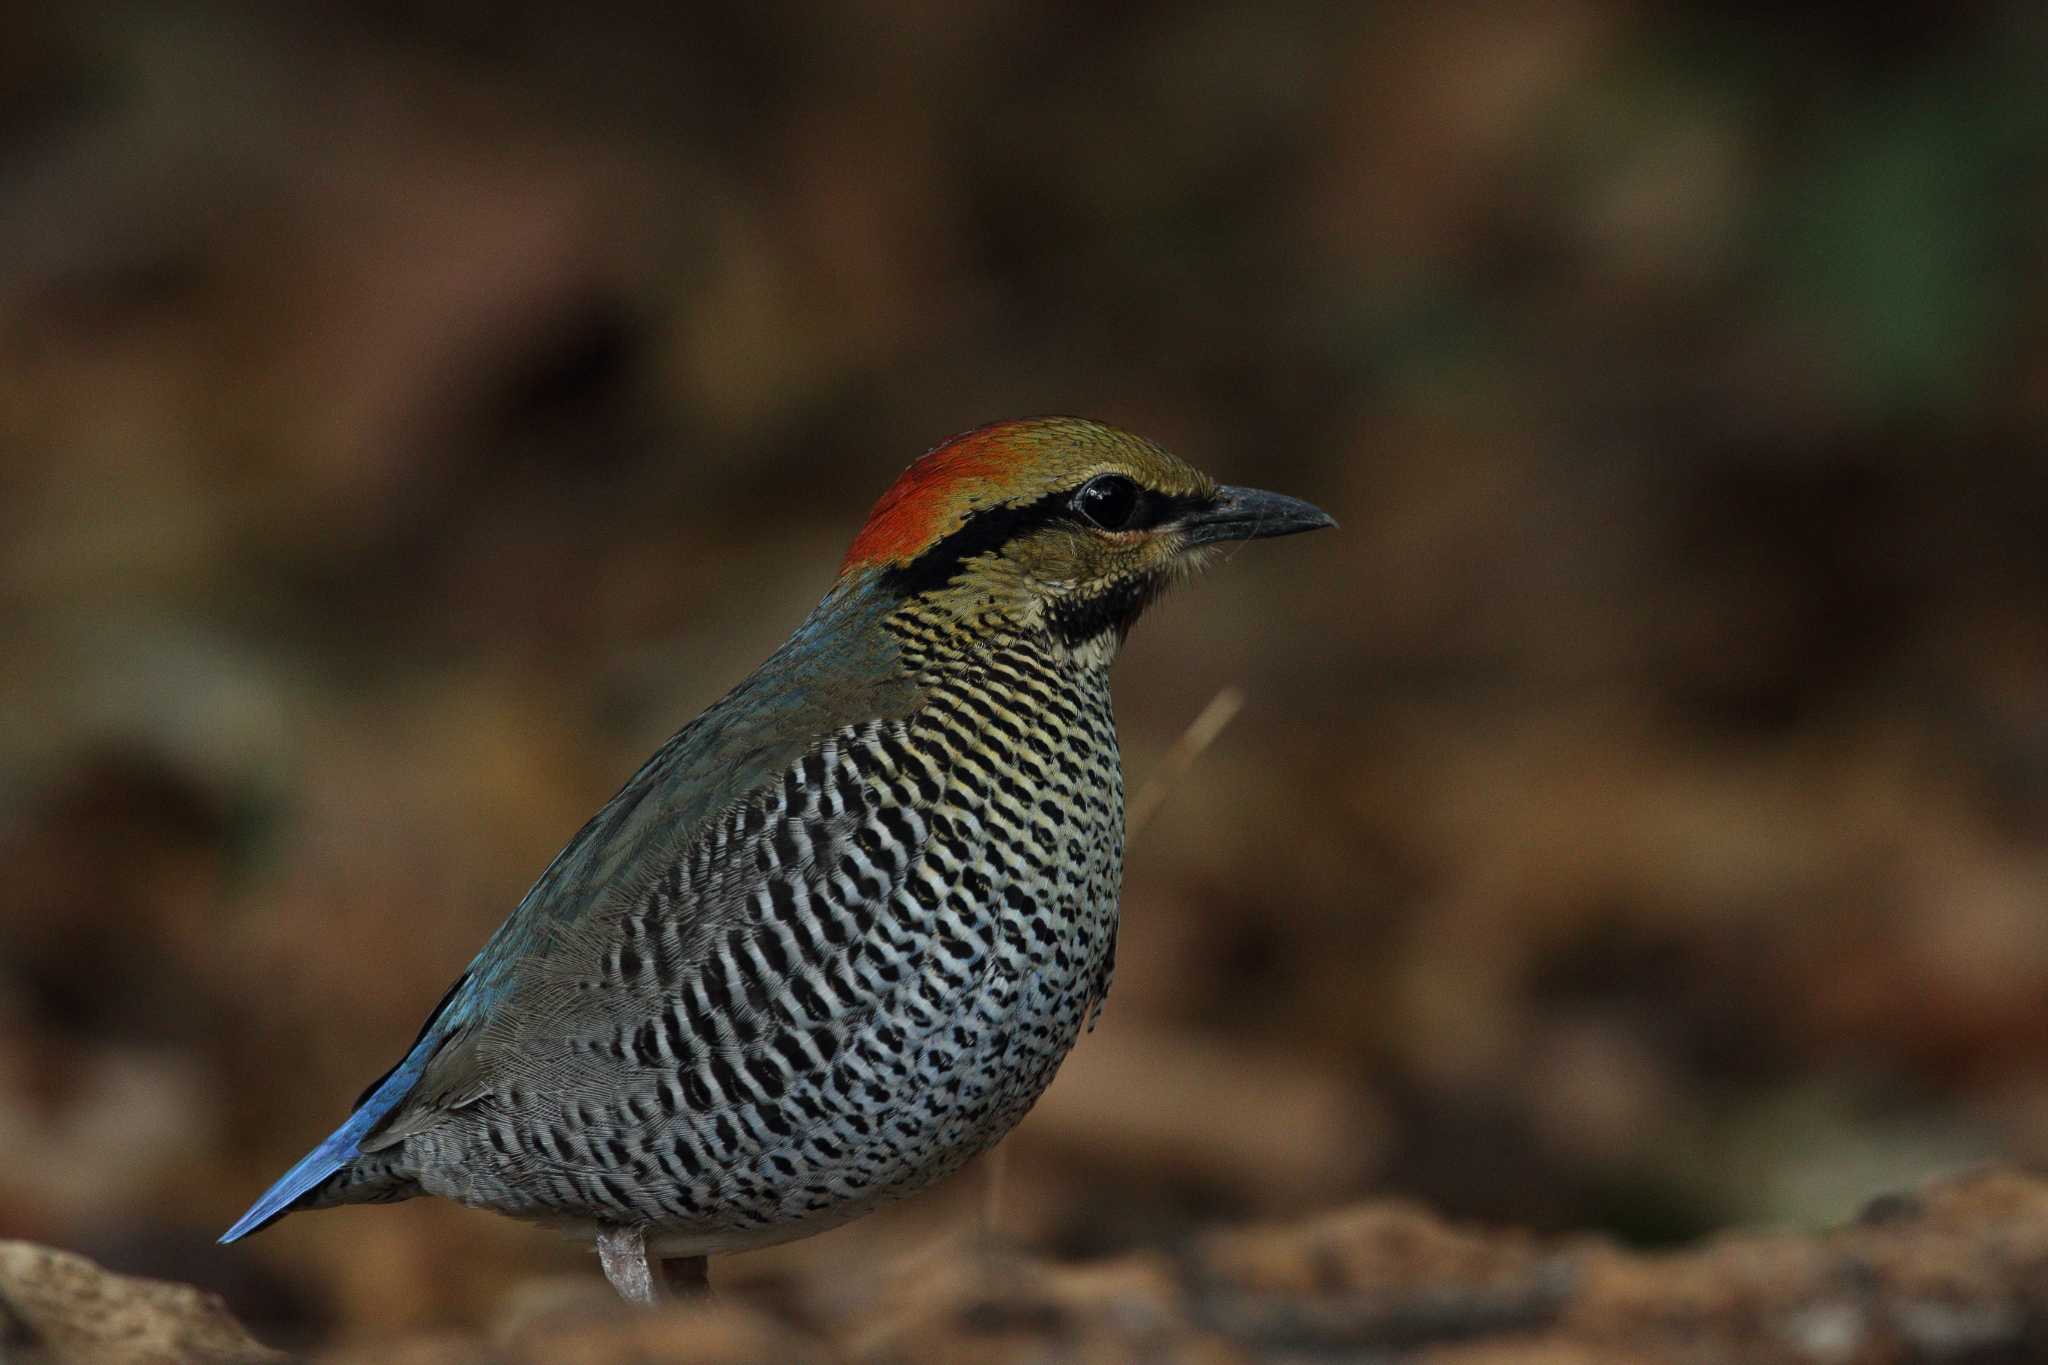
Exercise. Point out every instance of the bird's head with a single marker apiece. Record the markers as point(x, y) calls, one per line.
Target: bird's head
point(1055, 523)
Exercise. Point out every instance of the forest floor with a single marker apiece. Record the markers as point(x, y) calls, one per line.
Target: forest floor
point(1954, 1272)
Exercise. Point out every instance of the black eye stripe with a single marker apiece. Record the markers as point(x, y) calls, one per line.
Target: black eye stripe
point(1157, 509)
point(991, 528)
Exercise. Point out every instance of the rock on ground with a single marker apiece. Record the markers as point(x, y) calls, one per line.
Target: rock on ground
point(57, 1308)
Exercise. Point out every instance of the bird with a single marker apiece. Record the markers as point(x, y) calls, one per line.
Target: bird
point(833, 939)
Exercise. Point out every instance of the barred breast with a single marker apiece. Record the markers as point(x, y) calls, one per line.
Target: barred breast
point(848, 984)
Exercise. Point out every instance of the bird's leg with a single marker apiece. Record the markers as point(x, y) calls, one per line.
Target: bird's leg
point(687, 1277)
point(623, 1254)
point(648, 1280)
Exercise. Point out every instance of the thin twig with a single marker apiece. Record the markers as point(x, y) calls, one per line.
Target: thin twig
point(1200, 734)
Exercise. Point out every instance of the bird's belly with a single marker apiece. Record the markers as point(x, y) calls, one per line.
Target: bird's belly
point(953, 1094)
point(948, 1073)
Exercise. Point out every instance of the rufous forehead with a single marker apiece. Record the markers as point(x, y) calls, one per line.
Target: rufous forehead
point(928, 496)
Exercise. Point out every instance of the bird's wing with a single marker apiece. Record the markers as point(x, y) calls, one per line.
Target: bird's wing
point(643, 903)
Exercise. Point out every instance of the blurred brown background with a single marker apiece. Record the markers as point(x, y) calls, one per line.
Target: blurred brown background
point(410, 413)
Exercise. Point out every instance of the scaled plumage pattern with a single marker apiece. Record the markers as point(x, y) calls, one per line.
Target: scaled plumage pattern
point(835, 936)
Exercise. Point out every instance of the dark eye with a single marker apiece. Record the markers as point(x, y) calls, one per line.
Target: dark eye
point(1108, 501)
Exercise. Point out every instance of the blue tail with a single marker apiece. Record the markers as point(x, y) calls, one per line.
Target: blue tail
point(341, 1146)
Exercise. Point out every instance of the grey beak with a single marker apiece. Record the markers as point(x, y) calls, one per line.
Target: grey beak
point(1252, 514)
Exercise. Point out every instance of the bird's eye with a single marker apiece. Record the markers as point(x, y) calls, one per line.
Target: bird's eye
point(1108, 501)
